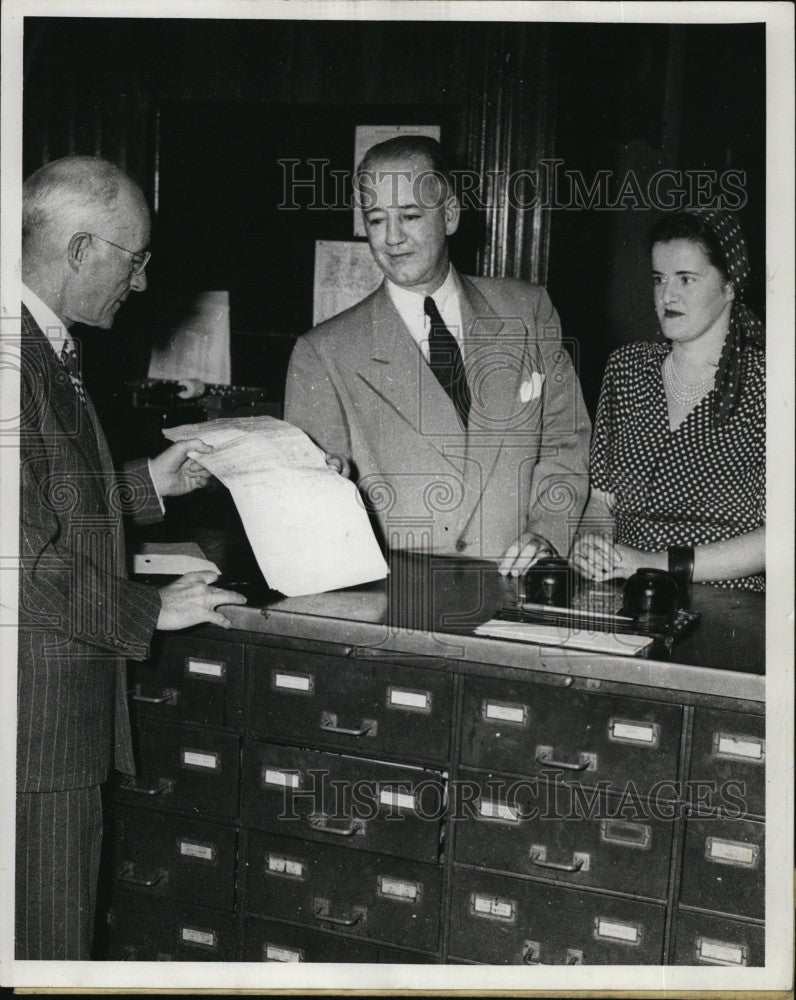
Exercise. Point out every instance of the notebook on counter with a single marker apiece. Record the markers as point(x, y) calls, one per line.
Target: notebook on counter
point(611, 643)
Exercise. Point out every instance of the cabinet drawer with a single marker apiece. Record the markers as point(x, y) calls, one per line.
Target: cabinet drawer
point(709, 940)
point(534, 730)
point(566, 833)
point(724, 866)
point(729, 755)
point(188, 679)
point(328, 888)
point(373, 708)
point(191, 769)
point(267, 941)
point(499, 920)
point(356, 803)
point(162, 854)
point(144, 929)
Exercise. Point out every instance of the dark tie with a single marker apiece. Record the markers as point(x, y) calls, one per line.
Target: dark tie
point(445, 360)
point(69, 361)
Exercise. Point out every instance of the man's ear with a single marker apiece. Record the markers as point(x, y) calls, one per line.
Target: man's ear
point(453, 211)
point(76, 250)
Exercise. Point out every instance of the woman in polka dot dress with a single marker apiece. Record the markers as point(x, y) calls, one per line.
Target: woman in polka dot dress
point(678, 453)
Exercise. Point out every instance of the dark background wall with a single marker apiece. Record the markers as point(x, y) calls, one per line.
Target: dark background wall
point(599, 97)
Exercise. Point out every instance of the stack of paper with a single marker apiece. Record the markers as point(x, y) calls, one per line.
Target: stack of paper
point(306, 524)
point(617, 644)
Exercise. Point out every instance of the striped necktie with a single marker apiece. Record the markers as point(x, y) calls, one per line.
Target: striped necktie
point(445, 360)
point(69, 361)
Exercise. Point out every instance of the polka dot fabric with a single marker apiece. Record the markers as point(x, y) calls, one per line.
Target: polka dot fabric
point(703, 482)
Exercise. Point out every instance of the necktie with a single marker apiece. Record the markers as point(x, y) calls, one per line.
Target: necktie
point(445, 360)
point(69, 361)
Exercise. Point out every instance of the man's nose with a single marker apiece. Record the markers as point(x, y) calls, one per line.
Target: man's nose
point(138, 282)
point(395, 231)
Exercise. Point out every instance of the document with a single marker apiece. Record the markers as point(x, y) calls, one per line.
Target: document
point(305, 523)
point(171, 558)
point(620, 644)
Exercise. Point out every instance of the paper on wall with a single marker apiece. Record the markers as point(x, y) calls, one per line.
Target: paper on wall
point(345, 272)
point(305, 523)
point(198, 346)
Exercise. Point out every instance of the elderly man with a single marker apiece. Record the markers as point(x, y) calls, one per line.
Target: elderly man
point(85, 234)
point(452, 397)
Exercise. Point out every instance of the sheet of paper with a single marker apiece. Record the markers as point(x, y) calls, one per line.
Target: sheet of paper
point(171, 558)
point(344, 274)
point(366, 136)
point(197, 346)
point(305, 523)
point(555, 635)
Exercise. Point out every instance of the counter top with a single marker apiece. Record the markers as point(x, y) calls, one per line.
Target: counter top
point(430, 606)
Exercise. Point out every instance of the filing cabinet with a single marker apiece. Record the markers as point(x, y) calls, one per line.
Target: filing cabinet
point(350, 704)
point(302, 801)
point(508, 921)
point(542, 730)
point(564, 835)
point(390, 900)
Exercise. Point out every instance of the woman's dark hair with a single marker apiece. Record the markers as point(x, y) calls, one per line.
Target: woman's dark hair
point(686, 226)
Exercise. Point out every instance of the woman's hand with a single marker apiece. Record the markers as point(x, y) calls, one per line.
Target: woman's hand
point(594, 555)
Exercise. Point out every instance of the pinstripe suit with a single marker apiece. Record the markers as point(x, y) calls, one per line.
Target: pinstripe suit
point(79, 618)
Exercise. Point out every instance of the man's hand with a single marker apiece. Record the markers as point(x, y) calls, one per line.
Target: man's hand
point(340, 464)
point(523, 553)
point(191, 600)
point(174, 473)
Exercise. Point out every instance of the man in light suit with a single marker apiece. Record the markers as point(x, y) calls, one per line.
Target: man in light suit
point(85, 233)
point(452, 397)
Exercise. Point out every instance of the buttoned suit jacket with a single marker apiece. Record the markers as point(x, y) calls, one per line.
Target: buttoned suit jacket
point(359, 386)
point(79, 615)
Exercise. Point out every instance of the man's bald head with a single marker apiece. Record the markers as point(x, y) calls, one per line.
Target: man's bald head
point(84, 225)
point(76, 191)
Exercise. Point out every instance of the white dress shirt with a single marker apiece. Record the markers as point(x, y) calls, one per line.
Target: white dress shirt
point(410, 308)
point(53, 328)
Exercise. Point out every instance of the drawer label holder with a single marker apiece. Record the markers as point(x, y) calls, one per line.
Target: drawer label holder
point(711, 952)
point(280, 779)
point(195, 850)
point(503, 711)
point(616, 931)
point(200, 760)
point(493, 908)
point(279, 953)
point(281, 680)
point(640, 734)
point(199, 937)
point(205, 670)
point(408, 699)
point(732, 852)
point(279, 864)
point(727, 746)
point(399, 889)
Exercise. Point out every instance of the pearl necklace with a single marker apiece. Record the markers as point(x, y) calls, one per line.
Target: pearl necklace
point(685, 393)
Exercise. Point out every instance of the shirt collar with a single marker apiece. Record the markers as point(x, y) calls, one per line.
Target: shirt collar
point(406, 300)
point(50, 325)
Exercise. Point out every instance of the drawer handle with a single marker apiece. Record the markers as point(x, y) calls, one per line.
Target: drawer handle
point(544, 756)
point(580, 862)
point(532, 951)
point(329, 725)
point(169, 696)
point(163, 786)
point(127, 874)
point(321, 909)
point(321, 824)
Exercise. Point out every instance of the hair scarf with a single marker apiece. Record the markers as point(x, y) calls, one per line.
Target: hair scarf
point(745, 327)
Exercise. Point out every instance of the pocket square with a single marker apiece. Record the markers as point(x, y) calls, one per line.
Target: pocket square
point(531, 388)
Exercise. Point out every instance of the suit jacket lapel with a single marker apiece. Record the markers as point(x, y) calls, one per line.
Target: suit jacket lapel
point(79, 427)
point(397, 371)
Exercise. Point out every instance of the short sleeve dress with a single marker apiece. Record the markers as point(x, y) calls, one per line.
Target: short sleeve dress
point(691, 486)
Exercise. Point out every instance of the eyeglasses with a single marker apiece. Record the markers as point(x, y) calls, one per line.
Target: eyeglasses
point(140, 259)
